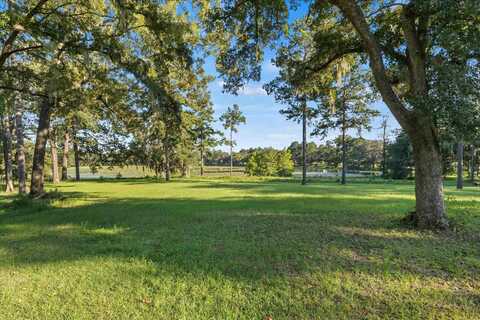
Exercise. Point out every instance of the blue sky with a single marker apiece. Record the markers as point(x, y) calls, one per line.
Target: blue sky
point(265, 126)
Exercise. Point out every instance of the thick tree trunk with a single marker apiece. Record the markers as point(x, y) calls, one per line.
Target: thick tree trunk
point(460, 149)
point(76, 153)
point(54, 157)
point(7, 154)
point(430, 207)
point(304, 145)
point(66, 146)
point(21, 170)
point(36, 186)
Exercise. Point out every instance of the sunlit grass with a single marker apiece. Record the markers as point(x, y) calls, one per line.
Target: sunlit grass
point(236, 249)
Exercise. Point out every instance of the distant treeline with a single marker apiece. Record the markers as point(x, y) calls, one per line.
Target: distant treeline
point(362, 155)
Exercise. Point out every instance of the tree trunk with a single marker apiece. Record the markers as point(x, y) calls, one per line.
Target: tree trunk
point(304, 144)
point(430, 207)
point(66, 146)
point(7, 153)
point(202, 161)
point(472, 163)
point(36, 186)
point(384, 150)
point(76, 153)
point(231, 151)
point(184, 169)
point(167, 163)
point(54, 157)
point(344, 150)
point(460, 149)
point(21, 170)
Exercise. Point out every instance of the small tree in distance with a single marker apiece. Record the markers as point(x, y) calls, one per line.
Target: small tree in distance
point(231, 119)
point(270, 162)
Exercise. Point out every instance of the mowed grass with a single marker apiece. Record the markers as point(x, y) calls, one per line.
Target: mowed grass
point(236, 249)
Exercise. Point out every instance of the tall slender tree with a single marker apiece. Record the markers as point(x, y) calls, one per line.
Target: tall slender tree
point(20, 145)
point(347, 108)
point(231, 119)
point(7, 149)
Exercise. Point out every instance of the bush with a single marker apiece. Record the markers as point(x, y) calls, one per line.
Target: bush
point(270, 163)
point(285, 165)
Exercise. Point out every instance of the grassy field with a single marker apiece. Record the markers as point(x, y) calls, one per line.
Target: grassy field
point(141, 172)
point(236, 248)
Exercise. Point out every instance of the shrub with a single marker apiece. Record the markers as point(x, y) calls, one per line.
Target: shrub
point(270, 163)
point(285, 165)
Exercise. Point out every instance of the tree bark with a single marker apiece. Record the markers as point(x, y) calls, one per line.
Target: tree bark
point(344, 150)
point(184, 169)
point(21, 170)
point(37, 182)
point(231, 152)
point(472, 163)
point(202, 160)
point(66, 146)
point(7, 153)
point(54, 157)
point(76, 152)
point(460, 149)
point(304, 144)
point(167, 163)
point(384, 149)
point(430, 207)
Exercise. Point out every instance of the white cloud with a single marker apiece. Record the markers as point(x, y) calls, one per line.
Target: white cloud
point(250, 90)
point(270, 67)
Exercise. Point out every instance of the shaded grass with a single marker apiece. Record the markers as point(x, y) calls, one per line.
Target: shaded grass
point(236, 249)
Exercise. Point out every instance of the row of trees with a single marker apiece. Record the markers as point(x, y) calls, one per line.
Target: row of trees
point(119, 81)
point(124, 79)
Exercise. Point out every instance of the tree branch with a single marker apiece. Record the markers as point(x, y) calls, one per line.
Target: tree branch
point(8, 44)
point(23, 90)
point(355, 15)
point(333, 58)
point(416, 61)
point(24, 49)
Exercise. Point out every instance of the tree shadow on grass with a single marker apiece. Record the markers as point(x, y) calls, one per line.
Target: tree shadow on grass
point(251, 241)
point(246, 239)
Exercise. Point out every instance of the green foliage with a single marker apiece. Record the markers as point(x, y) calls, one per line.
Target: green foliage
point(270, 162)
point(232, 118)
point(399, 160)
point(285, 165)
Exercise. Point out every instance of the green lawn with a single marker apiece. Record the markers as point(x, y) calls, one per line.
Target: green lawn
point(236, 249)
point(141, 172)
